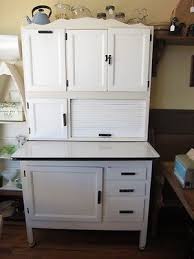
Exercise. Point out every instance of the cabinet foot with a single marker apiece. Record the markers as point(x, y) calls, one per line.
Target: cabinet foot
point(33, 244)
point(30, 236)
point(142, 239)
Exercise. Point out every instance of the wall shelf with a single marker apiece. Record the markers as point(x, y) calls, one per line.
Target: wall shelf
point(160, 43)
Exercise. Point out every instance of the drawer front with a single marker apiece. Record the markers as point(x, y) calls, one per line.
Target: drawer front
point(124, 209)
point(108, 118)
point(126, 173)
point(124, 188)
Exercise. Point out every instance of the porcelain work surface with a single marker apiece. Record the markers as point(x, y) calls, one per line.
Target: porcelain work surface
point(87, 150)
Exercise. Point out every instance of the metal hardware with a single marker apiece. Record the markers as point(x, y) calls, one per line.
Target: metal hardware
point(99, 197)
point(67, 83)
point(106, 58)
point(24, 173)
point(126, 211)
point(27, 105)
point(148, 84)
point(64, 120)
point(128, 173)
point(104, 135)
point(109, 59)
point(66, 36)
point(29, 130)
point(45, 32)
point(28, 210)
point(126, 190)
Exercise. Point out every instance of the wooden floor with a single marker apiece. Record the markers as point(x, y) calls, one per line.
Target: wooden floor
point(88, 244)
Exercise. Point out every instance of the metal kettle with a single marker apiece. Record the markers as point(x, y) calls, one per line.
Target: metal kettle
point(40, 17)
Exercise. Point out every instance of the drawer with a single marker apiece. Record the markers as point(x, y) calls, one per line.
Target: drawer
point(124, 209)
point(108, 118)
point(124, 188)
point(126, 173)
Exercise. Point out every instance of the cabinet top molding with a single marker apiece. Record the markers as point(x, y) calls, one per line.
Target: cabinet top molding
point(85, 23)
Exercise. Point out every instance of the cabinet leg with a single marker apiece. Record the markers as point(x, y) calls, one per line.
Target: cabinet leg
point(30, 236)
point(142, 239)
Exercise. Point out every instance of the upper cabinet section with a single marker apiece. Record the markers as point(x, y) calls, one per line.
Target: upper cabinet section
point(87, 55)
point(129, 50)
point(86, 66)
point(44, 59)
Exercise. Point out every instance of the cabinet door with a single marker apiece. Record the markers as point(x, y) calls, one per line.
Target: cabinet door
point(44, 60)
point(65, 193)
point(109, 119)
point(86, 65)
point(47, 119)
point(129, 68)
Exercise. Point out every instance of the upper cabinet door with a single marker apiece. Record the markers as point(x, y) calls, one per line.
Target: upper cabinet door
point(129, 66)
point(86, 53)
point(44, 60)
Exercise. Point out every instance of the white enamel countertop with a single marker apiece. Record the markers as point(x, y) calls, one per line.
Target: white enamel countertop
point(44, 150)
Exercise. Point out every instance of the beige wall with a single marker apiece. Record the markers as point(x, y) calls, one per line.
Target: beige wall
point(171, 87)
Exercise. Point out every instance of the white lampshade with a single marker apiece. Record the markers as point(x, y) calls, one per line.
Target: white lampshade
point(9, 48)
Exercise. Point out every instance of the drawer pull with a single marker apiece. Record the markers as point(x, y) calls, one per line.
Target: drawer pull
point(126, 211)
point(104, 135)
point(126, 190)
point(128, 173)
point(45, 32)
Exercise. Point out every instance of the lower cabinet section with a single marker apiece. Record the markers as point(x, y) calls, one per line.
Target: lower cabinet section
point(87, 195)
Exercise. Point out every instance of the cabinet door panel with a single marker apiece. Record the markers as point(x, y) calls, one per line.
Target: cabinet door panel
point(47, 118)
point(44, 60)
point(87, 69)
point(130, 59)
point(117, 118)
point(65, 193)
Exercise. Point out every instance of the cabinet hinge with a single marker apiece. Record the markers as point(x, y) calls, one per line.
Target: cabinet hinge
point(150, 37)
point(27, 105)
point(28, 211)
point(29, 130)
point(67, 83)
point(24, 173)
point(66, 36)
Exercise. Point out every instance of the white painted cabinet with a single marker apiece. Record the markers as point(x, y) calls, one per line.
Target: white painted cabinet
point(64, 193)
point(47, 118)
point(98, 194)
point(99, 68)
point(86, 65)
point(129, 50)
point(44, 59)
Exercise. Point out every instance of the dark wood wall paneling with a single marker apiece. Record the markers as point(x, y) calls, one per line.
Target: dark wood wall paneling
point(171, 132)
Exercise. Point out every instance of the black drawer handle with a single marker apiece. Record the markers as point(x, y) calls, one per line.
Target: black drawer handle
point(126, 211)
point(45, 32)
point(126, 190)
point(64, 120)
point(128, 173)
point(104, 135)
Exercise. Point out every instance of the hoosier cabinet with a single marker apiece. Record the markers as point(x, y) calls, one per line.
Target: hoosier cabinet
point(87, 164)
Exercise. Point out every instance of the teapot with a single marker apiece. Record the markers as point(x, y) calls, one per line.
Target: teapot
point(40, 17)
